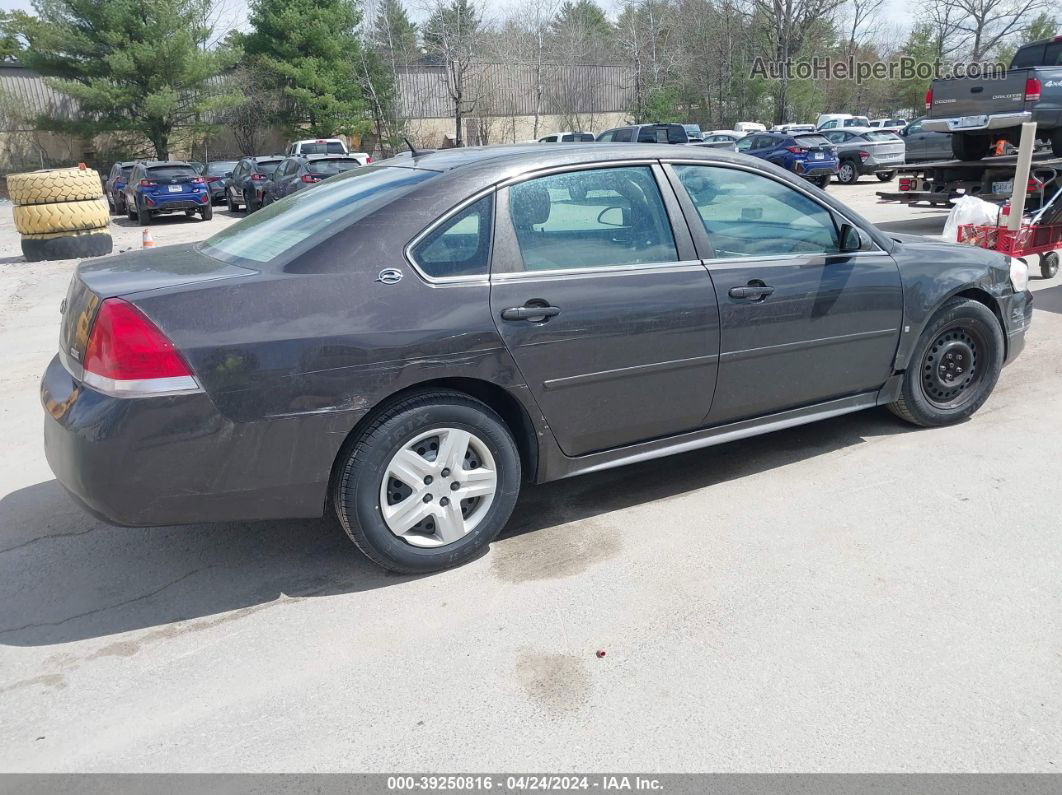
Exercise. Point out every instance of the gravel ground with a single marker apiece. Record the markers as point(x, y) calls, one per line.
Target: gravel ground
point(853, 595)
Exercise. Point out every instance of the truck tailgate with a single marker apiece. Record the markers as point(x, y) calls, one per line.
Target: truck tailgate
point(969, 96)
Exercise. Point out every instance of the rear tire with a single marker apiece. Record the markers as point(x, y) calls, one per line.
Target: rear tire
point(1049, 264)
point(207, 212)
point(954, 366)
point(143, 217)
point(230, 203)
point(400, 439)
point(848, 173)
point(822, 182)
point(970, 147)
point(886, 176)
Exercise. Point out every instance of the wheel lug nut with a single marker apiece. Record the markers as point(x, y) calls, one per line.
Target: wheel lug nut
point(427, 498)
point(427, 480)
point(444, 501)
point(454, 486)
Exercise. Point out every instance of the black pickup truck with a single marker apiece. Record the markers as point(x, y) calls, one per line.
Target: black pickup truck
point(980, 111)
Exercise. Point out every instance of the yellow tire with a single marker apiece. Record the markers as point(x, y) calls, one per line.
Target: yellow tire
point(54, 185)
point(40, 219)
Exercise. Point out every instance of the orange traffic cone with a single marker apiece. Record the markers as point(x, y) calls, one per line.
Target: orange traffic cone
point(148, 242)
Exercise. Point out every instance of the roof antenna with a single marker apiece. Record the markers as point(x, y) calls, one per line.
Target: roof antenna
point(412, 149)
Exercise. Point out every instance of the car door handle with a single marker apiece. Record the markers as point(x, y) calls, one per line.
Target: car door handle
point(530, 312)
point(751, 291)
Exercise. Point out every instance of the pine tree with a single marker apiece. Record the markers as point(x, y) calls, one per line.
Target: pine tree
point(309, 49)
point(136, 66)
point(393, 34)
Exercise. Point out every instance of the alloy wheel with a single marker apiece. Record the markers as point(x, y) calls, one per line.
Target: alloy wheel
point(438, 487)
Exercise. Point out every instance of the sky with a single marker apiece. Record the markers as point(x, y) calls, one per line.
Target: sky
point(233, 13)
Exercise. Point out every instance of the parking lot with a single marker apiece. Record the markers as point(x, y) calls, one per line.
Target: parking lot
point(852, 595)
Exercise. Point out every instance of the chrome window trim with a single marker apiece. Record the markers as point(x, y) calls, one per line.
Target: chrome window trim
point(799, 188)
point(656, 267)
point(144, 387)
point(473, 278)
point(584, 166)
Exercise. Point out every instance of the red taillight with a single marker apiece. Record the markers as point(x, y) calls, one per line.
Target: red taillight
point(929, 99)
point(147, 183)
point(126, 346)
point(863, 155)
point(1034, 185)
point(368, 160)
point(212, 179)
point(310, 179)
point(1032, 90)
point(197, 181)
point(796, 150)
point(907, 183)
point(257, 177)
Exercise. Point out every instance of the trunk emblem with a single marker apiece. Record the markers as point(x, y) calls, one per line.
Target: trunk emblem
point(389, 276)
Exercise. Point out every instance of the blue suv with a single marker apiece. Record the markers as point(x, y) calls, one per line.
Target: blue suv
point(156, 187)
point(808, 155)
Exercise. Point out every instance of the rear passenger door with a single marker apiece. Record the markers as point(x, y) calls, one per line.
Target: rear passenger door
point(603, 306)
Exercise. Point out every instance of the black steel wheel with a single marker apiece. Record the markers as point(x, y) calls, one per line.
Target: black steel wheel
point(1049, 264)
point(954, 365)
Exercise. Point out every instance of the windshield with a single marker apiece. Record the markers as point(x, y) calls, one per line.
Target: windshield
point(326, 168)
point(220, 167)
point(169, 172)
point(279, 232)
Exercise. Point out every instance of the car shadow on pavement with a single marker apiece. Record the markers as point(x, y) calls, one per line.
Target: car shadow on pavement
point(159, 220)
point(1049, 299)
point(65, 576)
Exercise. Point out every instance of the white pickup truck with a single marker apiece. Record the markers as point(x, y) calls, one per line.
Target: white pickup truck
point(979, 111)
point(324, 146)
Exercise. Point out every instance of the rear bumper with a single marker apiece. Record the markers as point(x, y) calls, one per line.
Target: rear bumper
point(1017, 316)
point(176, 460)
point(995, 121)
point(164, 204)
point(874, 166)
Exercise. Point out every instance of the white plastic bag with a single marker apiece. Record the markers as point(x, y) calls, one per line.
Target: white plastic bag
point(969, 210)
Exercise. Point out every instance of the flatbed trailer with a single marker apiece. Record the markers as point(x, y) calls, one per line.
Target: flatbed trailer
point(937, 182)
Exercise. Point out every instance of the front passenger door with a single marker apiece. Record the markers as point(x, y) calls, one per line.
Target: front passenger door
point(800, 322)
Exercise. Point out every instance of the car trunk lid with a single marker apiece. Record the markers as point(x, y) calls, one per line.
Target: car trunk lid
point(125, 275)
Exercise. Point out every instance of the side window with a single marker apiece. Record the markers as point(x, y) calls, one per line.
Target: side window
point(829, 125)
point(749, 215)
point(603, 217)
point(606, 136)
point(461, 245)
point(835, 137)
point(745, 144)
point(622, 136)
point(914, 127)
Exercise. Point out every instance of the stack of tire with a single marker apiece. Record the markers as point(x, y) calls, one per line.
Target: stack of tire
point(60, 213)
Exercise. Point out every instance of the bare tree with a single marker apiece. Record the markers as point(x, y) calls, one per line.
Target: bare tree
point(251, 119)
point(983, 25)
point(451, 37)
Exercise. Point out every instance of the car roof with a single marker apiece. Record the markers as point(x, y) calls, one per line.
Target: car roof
point(156, 163)
point(261, 158)
point(330, 156)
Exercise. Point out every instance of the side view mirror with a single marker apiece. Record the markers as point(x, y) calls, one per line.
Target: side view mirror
point(611, 216)
point(228, 174)
point(850, 239)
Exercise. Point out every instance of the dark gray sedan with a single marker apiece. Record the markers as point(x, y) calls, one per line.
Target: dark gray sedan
point(409, 342)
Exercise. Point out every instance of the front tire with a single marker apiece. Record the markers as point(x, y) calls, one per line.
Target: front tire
point(429, 483)
point(954, 365)
point(848, 173)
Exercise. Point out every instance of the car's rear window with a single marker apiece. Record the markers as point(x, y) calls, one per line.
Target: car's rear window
point(276, 234)
point(219, 167)
point(267, 167)
point(811, 140)
point(169, 172)
point(326, 168)
point(322, 148)
point(127, 170)
point(881, 136)
point(663, 134)
point(572, 138)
